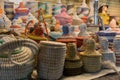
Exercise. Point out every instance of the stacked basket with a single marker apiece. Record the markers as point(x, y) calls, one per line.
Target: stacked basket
point(17, 59)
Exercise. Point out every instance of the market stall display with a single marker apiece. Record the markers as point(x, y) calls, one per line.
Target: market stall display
point(66, 35)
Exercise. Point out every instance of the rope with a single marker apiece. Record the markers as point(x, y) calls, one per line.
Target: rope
point(20, 65)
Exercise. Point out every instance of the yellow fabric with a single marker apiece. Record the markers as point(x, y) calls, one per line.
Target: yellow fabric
point(47, 16)
point(105, 18)
point(36, 37)
point(119, 23)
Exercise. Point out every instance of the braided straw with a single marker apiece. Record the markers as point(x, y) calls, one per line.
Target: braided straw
point(18, 65)
point(73, 63)
point(90, 57)
point(51, 60)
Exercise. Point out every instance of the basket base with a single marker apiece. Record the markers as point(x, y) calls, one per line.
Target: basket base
point(72, 71)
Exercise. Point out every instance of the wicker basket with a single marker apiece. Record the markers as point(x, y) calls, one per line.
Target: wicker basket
point(110, 35)
point(91, 63)
point(90, 57)
point(72, 67)
point(51, 60)
point(116, 48)
point(107, 54)
point(73, 63)
point(17, 63)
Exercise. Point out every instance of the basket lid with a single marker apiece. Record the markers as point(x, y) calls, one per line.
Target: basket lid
point(51, 43)
point(63, 17)
point(21, 8)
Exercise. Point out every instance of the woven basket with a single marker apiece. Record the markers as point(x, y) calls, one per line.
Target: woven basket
point(110, 35)
point(73, 63)
point(51, 60)
point(91, 63)
point(107, 54)
point(90, 57)
point(72, 67)
point(17, 64)
point(116, 48)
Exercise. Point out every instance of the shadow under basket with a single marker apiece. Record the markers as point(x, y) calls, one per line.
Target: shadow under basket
point(72, 67)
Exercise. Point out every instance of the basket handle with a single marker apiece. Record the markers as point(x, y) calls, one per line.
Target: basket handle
point(19, 43)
